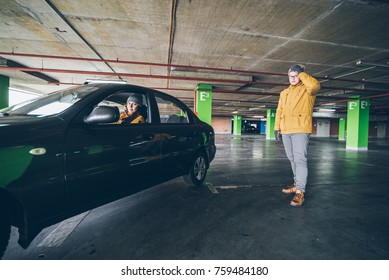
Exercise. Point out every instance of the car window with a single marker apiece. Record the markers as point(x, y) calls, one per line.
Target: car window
point(170, 111)
point(119, 100)
point(51, 104)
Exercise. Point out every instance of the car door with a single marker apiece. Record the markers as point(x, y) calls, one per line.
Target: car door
point(108, 161)
point(182, 137)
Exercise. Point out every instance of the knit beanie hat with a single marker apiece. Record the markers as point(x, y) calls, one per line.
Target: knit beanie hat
point(297, 68)
point(135, 98)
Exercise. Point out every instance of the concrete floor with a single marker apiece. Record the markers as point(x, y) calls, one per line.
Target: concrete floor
point(240, 213)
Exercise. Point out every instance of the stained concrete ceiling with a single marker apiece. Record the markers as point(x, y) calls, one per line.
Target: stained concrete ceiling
point(242, 48)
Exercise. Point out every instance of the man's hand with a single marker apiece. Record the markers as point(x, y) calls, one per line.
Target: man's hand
point(278, 135)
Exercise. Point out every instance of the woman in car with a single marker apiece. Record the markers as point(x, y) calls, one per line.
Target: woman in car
point(132, 110)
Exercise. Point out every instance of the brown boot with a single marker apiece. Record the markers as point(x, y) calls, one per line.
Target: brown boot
point(290, 189)
point(298, 199)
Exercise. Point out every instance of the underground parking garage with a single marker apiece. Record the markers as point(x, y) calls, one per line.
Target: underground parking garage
point(227, 62)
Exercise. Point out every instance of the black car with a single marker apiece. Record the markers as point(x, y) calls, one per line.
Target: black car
point(65, 153)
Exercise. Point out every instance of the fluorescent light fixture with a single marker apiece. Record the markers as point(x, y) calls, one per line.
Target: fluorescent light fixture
point(258, 117)
point(257, 108)
point(235, 112)
point(105, 82)
point(326, 110)
point(369, 63)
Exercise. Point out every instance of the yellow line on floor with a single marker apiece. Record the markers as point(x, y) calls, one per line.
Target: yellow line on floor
point(211, 188)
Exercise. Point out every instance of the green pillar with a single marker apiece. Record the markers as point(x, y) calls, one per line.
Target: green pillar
point(357, 124)
point(4, 92)
point(270, 120)
point(203, 103)
point(342, 129)
point(237, 125)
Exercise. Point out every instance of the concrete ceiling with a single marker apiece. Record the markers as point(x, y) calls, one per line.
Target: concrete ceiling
point(243, 48)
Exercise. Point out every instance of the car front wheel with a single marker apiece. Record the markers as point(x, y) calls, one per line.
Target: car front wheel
point(5, 231)
point(198, 171)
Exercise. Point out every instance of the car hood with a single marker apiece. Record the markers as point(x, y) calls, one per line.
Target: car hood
point(15, 130)
point(18, 119)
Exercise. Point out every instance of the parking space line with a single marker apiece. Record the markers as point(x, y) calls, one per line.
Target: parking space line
point(234, 187)
point(62, 231)
point(211, 188)
point(214, 190)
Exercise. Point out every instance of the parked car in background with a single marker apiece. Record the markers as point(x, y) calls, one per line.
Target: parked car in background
point(65, 153)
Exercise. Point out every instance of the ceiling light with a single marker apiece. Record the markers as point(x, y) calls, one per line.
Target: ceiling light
point(326, 110)
point(257, 108)
point(235, 112)
point(105, 82)
point(368, 63)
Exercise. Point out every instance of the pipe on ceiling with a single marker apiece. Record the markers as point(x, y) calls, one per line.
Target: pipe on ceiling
point(146, 76)
point(101, 60)
point(66, 71)
point(346, 100)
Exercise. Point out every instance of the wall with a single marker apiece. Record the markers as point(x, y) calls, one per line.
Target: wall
point(222, 125)
point(381, 130)
point(334, 128)
point(323, 128)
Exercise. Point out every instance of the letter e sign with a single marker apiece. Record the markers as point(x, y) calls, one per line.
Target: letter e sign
point(204, 95)
point(353, 104)
point(364, 104)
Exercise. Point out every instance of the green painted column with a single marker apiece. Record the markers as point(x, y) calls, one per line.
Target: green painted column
point(270, 120)
point(203, 103)
point(357, 124)
point(4, 92)
point(342, 129)
point(237, 125)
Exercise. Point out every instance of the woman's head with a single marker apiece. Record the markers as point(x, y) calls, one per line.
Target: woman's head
point(134, 102)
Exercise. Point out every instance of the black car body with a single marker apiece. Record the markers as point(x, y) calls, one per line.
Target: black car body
point(65, 153)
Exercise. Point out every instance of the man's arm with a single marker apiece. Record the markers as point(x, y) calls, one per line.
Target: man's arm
point(311, 84)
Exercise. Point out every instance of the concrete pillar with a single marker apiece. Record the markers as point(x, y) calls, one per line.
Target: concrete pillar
point(237, 125)
point(4, 92)
point(203, 103)
point(270, 120)
point(357, 124)
point(342, 129)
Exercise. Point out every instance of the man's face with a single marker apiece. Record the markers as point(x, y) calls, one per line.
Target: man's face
point(293, 78)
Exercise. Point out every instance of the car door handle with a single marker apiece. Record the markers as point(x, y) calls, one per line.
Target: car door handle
point(148, 136)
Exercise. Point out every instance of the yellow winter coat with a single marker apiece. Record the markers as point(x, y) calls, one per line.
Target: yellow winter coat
point(295, 106)
point(133, 119)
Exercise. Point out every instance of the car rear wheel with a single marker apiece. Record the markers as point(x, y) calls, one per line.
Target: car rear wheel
point(198, 171)
point(5, 231)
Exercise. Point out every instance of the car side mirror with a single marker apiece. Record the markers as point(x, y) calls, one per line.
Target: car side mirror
point(103, 114)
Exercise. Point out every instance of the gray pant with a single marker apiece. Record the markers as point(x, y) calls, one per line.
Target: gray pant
point(296, 147)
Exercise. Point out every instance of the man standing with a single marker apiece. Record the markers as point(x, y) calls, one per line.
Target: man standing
point(294, 125)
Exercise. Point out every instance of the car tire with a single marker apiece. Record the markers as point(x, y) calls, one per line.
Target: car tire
point(197, 171)
point(5, 231)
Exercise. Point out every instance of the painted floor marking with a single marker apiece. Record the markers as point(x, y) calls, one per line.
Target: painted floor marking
point(214, 190)
point(211, 188)
point(62, 231)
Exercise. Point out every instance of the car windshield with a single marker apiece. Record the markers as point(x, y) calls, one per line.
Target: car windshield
point(51, 104)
